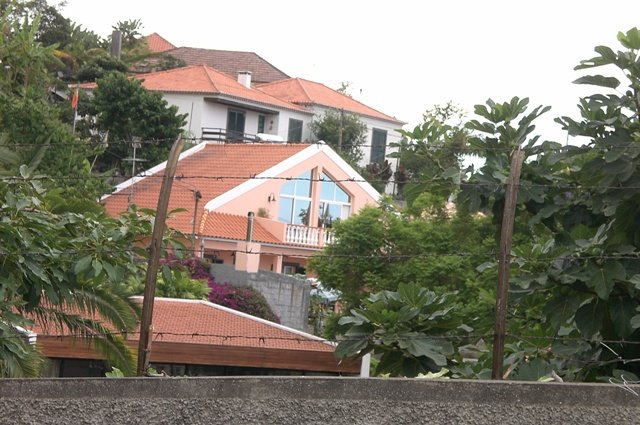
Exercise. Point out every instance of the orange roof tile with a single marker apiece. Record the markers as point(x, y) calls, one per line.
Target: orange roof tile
point(231, 63)
point(230, 226)
point(306, 93)
point(203, 79)
point(203, 322)
point(210, 168)
point(158, 44)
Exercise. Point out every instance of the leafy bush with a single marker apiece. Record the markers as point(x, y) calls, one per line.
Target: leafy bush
point(240, 298)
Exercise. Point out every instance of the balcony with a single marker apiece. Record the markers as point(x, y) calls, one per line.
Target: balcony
point(224, 135)
point(317, 237)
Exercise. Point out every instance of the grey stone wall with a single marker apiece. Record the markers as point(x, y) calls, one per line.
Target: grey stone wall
point(271, 400)
point(288, 296)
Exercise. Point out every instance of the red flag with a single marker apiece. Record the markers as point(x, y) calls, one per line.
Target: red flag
point(74, 99)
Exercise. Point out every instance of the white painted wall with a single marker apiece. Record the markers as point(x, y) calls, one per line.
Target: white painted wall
point(392, 137)
point(189, 104)
point(214, 115)
point(283, 127)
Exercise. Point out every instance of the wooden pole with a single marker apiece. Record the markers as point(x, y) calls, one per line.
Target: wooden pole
point(340, 130)
point(144, 345)
point(506, 239)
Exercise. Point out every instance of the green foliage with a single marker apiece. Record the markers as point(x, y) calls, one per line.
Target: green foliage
point(242, 298)
point(403, 328)
point(114, 373)
point(62, 268)
point(130, 32)
point(436, 146)
point(354, 131)
point(575, 267)
point(29, 120)
point(171, 283)
point(125, 109)
point(25, 60)
point(377, 248)
point(18, 358)
point(97, 65)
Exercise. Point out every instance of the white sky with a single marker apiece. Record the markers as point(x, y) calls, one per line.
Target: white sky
point(401, 57)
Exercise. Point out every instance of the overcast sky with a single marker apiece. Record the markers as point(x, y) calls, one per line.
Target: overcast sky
point(401, 56)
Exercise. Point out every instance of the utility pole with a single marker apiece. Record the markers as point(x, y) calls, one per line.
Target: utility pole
point(340, 130)
point(506, 239)
point(136, 142)
point(197, 196)
point(146, 326)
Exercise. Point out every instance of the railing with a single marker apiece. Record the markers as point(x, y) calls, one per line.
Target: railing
point(224, 135)
point(310, 236)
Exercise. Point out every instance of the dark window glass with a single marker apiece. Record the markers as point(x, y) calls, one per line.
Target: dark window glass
point(235, 124)
point(295, 130)
point(378, 146)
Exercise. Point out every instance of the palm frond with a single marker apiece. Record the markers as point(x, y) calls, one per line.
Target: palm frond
point(109, 343)
point(18, 358)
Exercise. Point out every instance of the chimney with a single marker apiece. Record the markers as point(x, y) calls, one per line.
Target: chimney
point(244, 78)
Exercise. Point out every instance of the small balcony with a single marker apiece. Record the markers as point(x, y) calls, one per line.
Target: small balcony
point(224, 135)
point(317, 237)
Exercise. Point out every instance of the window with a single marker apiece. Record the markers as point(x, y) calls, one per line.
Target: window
point(295, 130)
point(295, 200)
point(261, 120)
point(378, 146)
point(335, 203)
point(235, 124)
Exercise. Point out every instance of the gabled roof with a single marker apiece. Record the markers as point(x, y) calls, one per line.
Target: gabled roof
point(309, 93)
point(202, 79)
point(231, 63)
point(158, 44)
point(210, 168)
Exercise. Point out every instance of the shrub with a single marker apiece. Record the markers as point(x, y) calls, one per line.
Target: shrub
point(241, 298)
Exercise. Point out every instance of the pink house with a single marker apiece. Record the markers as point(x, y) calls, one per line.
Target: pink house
point(294, 191)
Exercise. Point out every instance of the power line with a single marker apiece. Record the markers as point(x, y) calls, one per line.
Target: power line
point(523, 185)
point(324, 255)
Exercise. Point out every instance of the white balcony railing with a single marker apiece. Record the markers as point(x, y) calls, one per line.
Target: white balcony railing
point(310, 236)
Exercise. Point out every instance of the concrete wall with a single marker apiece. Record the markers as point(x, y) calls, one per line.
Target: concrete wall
point(269, 400)
point(288, 296)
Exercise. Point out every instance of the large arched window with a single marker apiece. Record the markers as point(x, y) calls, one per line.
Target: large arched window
point(335, 203)
point(295, 200)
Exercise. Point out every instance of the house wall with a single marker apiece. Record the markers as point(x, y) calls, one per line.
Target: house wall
point(392, 137)
point(189, 104)
point(310, 400)
point(283, 127)
point(258, 197)
point(214, 115)
point(288, 296)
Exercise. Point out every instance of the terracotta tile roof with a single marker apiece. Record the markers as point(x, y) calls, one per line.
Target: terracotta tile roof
point(205, 80)
point(231, 63)
point(158, 44)
point(308, 93)
point(210, 168)
point(203, 322)
point(229, 226)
